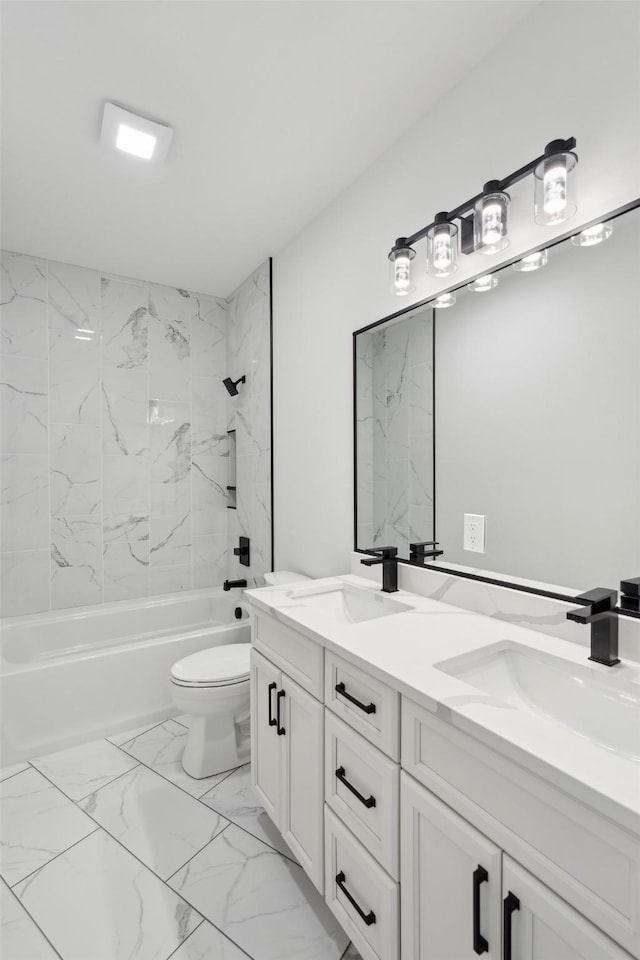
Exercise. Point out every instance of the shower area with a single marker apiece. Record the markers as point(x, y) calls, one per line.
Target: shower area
point(130, 473)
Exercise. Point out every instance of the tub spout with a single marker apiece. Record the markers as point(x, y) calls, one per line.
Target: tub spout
point(231, 584)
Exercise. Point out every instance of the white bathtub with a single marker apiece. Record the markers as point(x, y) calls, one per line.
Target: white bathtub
point(74, 675)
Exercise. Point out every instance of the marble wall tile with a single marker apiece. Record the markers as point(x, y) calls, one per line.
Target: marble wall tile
point(420, 523)
point(76, 561)
point(209, 337)
point(421, 396)
point(25, 502)
point(126, 557)
point(170, 540)
point(171, 579)
point(74, 392)
point(125, 412)
point(125, 324)
point(421, 473)
point(23, 308)
point(209, 416)
point(24, 403)
point(126, 485)
point(209, 561)
point(210, 476)
point(74, 314)
point(25, 582)
point(170, 458)
point(169, 342)
point(76, 470)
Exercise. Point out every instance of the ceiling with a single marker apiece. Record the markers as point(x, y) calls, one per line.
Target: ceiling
point(277, 107)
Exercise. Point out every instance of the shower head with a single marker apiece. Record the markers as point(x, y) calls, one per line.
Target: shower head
point(232, 385)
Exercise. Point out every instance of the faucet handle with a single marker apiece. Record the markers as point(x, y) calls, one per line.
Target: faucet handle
point(386, 553)
point(630, 594)
point(600, 599)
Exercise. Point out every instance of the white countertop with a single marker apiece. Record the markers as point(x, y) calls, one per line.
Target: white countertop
point(402, 650)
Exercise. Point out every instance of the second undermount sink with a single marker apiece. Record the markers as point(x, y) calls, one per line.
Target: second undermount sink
point(347, 603)
point(603, 709)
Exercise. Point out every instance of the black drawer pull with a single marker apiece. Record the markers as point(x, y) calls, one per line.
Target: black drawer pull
point(510, 904)
point(272, 720)
point(367, 707)
point(480, 875)
point(368, 918)
point(367, 801)
point(279, 728)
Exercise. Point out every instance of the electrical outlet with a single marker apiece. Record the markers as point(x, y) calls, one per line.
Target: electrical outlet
point(474, 532)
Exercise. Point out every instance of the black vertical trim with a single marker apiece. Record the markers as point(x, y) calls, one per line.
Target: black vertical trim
point(273, 560)
point(433, 421)
point(355, 447)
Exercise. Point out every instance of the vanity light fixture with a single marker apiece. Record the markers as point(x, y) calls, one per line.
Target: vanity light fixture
point(444, 300)
point(482, 284)
point(482, 221)
point(533, 261)
point(593, 235)
point(400, 259)
point(136, 135)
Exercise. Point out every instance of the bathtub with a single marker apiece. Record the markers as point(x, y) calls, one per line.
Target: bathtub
point(74, 675)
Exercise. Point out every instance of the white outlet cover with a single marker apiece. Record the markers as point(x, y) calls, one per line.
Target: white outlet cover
point(474, 532)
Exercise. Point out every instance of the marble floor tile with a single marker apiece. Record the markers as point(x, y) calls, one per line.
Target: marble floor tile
point(184, 719)
point(207, 943)
point(38, 823)
point(260, 900)
point(130, 734)
point(161, 749)
point(152, 818)
point(81, 770)
point(20, 938)
point(234, 798)
point(351, 953)
point(97, 902)
point(12, 769)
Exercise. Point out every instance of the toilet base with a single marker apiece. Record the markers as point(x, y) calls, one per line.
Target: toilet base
point(211, 746)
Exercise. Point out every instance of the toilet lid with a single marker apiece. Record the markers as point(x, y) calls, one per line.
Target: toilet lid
point(226, 664)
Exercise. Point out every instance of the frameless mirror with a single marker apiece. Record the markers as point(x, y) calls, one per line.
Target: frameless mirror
point(520, 404)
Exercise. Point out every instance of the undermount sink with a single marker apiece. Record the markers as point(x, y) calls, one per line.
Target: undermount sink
point(603, 709)
point(348, 604)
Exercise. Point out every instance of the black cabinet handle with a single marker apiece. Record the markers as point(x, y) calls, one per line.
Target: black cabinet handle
point(480, 875)
point(279, 728)
point(367, 707)
point(272, 721)
point(368, 918)
point(367, 801)
point(509, 904)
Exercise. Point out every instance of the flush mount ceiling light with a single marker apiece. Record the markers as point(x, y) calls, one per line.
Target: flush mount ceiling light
point(591, 236)
point(483, 284)
point(533, 261)
point(483, 219)
point(133, 134)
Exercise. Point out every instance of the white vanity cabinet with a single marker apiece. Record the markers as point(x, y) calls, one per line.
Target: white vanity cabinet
point(287, 743)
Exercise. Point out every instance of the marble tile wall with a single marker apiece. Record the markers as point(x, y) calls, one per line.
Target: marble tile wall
point(115, 452)
point(395, 434)
point(249, 414)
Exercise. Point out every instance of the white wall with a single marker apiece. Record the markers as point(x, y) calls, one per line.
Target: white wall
point(570, 69)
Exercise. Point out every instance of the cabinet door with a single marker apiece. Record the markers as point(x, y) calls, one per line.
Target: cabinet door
point(539, 925)
point(266, 752)
point(450, 880)
point(302, 778)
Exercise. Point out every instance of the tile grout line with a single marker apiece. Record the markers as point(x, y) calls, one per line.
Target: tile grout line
point(62, 852)
point(204, 847)
point(76, 802)
point(18, 772)
point(173, 952)
point(108, 784)
point(36, 925)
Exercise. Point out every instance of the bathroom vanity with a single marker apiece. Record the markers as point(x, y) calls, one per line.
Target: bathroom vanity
point(454, 785)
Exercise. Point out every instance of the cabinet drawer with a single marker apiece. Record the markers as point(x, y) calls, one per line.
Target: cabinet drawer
point(583, 856)
point(352, 764)
point(366, 704)
point(372, 920)
point(294, 653)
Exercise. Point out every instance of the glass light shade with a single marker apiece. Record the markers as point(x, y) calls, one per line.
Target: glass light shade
point(442, 249)
point(482, 284)
point(533, 261)
point(593, 235)
point(400, 271)
point(490, 222)
point(444, 300)
point(555, 189)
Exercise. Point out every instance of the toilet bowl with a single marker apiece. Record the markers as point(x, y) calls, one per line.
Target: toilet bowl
point(213, 688)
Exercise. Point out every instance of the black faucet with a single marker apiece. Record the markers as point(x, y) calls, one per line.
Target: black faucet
point(419, 553)
point(387, 556)
point(630, 594)
point(600, 613)
point(228, 584)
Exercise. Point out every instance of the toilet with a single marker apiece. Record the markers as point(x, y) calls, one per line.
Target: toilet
point(212, 687)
